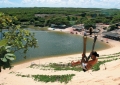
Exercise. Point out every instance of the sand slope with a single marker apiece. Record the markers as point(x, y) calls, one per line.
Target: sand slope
point(107, 75)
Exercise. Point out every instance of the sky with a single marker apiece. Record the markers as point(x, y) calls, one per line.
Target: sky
point(61, 3)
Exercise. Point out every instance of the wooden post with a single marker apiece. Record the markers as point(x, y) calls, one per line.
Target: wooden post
point(84, 44)
point(84, 58)
point(95, 38)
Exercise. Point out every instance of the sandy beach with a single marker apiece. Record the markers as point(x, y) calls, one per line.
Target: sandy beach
point(107, 75)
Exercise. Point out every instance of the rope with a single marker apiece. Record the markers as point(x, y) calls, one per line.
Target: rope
point(95, 38)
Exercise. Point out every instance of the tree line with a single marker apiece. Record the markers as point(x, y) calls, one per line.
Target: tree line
point(45, 16)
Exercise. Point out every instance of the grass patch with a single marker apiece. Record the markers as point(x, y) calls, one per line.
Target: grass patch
point(28, 76)
point(53, 78)
point(59, 67)
point(67, 66)
point(96, 67)
point(50, 78)
point(111, 56)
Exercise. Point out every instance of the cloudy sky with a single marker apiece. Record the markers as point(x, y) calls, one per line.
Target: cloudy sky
point(61, 3)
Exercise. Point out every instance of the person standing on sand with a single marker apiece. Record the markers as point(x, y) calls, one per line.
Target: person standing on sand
point(90, 30)
point(85, 64)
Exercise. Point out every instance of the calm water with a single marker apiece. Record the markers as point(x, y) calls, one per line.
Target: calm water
point(56, 43)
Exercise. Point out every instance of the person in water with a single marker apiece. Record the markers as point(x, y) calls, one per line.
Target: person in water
point(85, 64)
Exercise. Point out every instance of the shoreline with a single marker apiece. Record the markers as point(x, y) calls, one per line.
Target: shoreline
point(67, 30)
point(46, 57)
point(55, 56)
point(100, 52)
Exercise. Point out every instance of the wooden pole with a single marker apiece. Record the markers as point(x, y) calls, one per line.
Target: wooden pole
point(84, 58)
point(84, 44)
point(95, 38)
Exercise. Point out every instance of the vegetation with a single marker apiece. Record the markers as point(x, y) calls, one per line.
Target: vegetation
point(67, 66)
point(13, 38)
point(96, 67)
point(56, 67)
point(53, 78)
point(48, 78)
point(44, 17)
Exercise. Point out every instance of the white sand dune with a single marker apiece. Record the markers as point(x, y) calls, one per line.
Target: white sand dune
point(107, 75)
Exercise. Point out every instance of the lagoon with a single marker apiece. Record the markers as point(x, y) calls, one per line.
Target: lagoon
point(56, 44)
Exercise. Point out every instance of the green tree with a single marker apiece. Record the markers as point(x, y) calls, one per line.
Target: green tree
point(83, 14)
point(13, 40)
point(83, 19)
point(112, 27)
point(89, 24)
point(115, 19)
point(93, 15)
point(106, 21)
point(68, 18)
point(60, 21)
